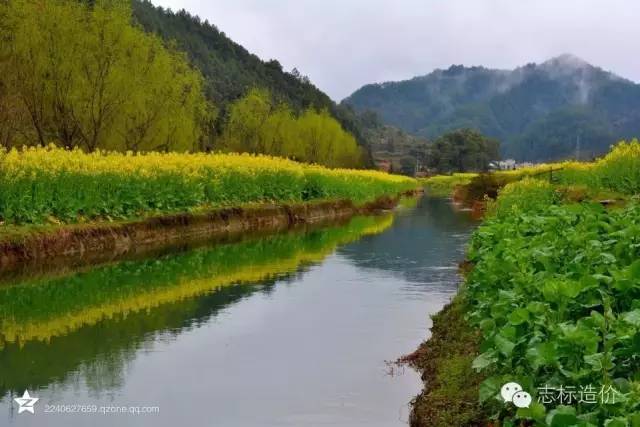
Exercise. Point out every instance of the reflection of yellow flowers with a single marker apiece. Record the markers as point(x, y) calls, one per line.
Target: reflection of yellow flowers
point(37, 182)
point(23, 331)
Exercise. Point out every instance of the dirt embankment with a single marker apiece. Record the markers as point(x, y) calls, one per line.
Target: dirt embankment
point(101, 242)
point(450, 394)
point(474, 195)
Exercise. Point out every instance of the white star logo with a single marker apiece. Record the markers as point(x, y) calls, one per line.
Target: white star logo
point(26, 402)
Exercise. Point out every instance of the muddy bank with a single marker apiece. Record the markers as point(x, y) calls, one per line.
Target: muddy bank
point(474, 195)
point(450, 394)
point(101, 242)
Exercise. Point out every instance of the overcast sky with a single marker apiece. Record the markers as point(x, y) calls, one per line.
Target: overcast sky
point(344, 44)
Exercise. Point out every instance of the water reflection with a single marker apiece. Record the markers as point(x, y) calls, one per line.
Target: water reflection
point(45, 324)
point(299, 339)
point(424, 247)
point(100, 354)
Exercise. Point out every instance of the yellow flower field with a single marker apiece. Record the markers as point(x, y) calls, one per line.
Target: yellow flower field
point(39, 184)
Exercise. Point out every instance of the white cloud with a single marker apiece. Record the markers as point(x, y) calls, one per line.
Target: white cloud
point(344, 44)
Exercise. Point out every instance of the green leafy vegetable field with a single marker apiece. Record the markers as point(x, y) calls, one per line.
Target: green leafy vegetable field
point(555, 290)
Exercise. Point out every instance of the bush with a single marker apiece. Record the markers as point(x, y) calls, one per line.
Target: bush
point(444, 185)
point(528, 195)
point(620, 169)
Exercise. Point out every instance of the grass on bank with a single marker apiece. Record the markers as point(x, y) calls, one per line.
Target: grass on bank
point(443, 185)
point(52, 185)
point(451, 385)
point(616, 173)
point(554, 292)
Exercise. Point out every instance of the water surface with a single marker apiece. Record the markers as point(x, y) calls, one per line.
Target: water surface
point(287, 330)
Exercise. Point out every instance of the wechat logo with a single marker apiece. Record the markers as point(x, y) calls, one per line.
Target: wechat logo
point(512, 392)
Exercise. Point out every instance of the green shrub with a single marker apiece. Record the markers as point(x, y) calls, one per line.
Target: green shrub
point(528, 195)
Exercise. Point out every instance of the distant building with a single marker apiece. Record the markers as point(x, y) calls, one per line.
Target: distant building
point(509, 164)
point(384, 165)
point(503, 165)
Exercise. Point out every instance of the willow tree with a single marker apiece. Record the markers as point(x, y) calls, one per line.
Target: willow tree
point(256, 123)
point(83, 76)
point(244, 128)
point(325, 141)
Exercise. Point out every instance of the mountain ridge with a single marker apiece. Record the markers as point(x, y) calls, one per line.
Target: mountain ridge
point(517, 106)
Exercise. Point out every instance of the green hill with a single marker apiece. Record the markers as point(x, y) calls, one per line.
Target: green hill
point(544, 111)
point(230, 70)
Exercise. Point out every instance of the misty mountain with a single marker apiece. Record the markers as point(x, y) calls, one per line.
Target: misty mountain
point(539, 111)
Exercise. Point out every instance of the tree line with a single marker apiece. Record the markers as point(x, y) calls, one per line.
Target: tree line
point(230, 71)
point(80, 74)
point(83, 76)
point(462, 150)
point(257, 123)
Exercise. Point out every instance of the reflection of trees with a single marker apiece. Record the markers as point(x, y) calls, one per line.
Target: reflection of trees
point(93, 323)
point(430, 236)
point(100, 353)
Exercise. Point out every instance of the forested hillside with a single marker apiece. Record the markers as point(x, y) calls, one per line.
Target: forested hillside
point(230, 71)
point(391, 147)
point(94, 75)
point(552, 110)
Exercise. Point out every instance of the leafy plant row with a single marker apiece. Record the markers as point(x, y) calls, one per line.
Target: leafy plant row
point(555, 290)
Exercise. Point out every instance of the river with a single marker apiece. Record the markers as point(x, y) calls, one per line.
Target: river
point(292, 329)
